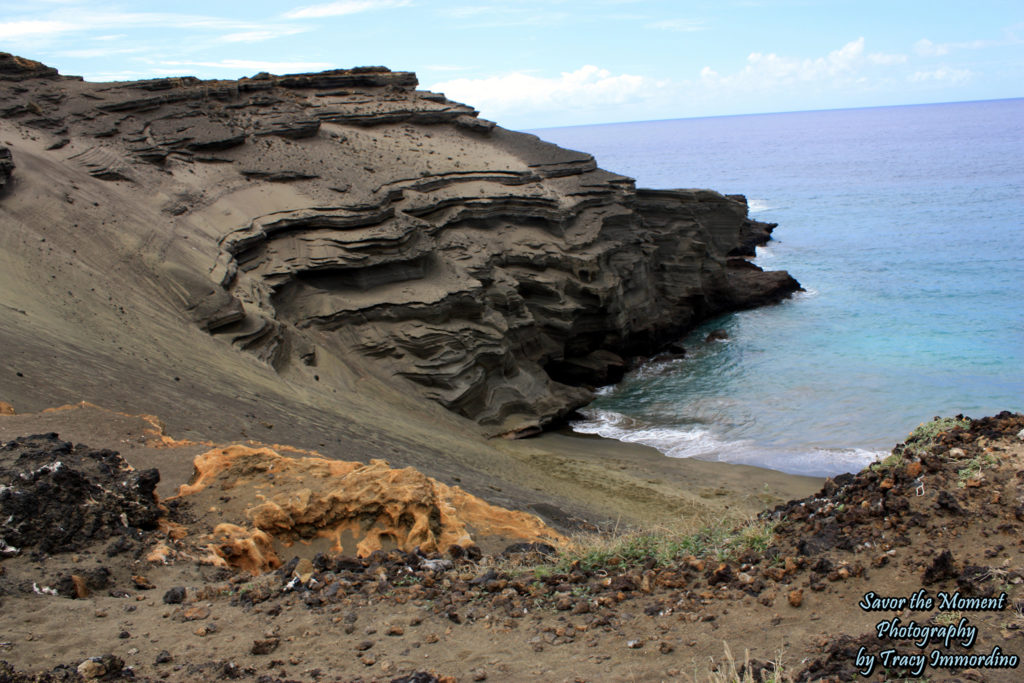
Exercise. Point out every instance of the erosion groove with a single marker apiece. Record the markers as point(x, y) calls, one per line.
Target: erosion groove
point(496, 274)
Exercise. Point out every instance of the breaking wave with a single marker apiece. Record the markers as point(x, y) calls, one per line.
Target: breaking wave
point(702, 443)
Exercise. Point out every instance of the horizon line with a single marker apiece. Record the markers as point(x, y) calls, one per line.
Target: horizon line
point(772, 113)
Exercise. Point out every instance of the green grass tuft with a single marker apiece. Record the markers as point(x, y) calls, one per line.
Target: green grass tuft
point(922, 438)
point(662, 547)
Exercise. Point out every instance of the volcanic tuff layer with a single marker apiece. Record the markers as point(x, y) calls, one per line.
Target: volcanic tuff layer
point(347, 215)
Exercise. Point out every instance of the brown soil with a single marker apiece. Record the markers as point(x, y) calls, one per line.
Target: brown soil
point(943, 516)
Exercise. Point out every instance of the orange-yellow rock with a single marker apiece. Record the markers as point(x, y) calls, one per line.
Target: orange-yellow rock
point(250, 550)
point(358, 507)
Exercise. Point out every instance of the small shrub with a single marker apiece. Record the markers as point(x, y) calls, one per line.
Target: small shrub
point(919, 442)
point(922, 438)
point(973, 467)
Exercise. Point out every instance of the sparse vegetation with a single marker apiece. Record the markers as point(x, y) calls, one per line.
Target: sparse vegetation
point(919, 442)
point(922, 438)
point(728, 672)
point(893, 461)
point(973, 468)
point(947, 618)
point(720, 541)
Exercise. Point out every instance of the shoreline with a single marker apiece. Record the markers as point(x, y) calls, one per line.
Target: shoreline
point(640, 485)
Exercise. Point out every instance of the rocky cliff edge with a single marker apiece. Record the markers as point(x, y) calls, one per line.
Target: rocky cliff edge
point(347, 214)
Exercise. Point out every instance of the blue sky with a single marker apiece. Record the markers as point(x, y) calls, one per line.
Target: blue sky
point(537, 63)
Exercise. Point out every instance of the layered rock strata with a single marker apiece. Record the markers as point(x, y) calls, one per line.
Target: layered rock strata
point(348, 215)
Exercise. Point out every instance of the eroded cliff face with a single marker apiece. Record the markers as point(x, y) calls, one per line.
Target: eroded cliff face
point(312, 216)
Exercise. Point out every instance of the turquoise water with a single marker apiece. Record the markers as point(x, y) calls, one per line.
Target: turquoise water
point(906, 227)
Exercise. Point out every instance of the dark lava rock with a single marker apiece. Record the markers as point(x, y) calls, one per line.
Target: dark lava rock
point(942, 568)
point(88, 581)
point(418, 677)
point(59, 674)
point(970, 580)
point(839, 660)
point(6, 166)
point(58, 497)
point(753, 234)
point(264, 647)
point(529, 548)
point(947, 501)
point(717, 335)
point(723, 573)
point(174, 596)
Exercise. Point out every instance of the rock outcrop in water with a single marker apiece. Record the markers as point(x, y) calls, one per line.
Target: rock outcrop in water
point(346, 211)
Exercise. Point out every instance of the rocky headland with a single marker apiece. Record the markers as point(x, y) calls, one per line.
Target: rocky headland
point(348, 217)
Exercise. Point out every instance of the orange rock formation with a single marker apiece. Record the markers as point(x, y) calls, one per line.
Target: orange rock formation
point(359, 508)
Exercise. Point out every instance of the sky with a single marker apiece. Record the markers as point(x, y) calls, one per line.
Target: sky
point(540, 63)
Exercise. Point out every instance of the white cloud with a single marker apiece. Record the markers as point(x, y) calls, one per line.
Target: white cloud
point(90, 53)
point(260, 36)
point(585, 88)
point(927, 48)
point(13, 30)
point(336, 9)
point(771, 71)
point(445, 67)
point(943, 75)
point(250, 66)
point(79, 20)
point(679, 25)
point(468, 11)
point(881, 59)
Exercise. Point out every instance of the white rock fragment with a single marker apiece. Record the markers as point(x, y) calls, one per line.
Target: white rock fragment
point(91, 668)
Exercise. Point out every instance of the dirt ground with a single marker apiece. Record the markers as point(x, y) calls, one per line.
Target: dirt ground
point(942, 515)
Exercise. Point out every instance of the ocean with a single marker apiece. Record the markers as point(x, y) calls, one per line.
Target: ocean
point(905, 226)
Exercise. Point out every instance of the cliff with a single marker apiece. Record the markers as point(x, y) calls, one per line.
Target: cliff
point(314, 215)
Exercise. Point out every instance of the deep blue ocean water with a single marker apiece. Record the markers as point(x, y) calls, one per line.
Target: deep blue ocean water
point(906, 227)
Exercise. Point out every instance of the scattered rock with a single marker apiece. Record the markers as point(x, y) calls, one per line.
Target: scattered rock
point(91, 668)
point(941, 568)
point(265, 646)
point(195, 613)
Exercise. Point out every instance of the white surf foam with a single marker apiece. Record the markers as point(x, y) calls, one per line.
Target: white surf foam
point(808, 293)
point(756, 205)
point(698, 442)
point(702, 443)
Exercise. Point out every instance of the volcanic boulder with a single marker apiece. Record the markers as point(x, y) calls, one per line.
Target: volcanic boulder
point(58, 497)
